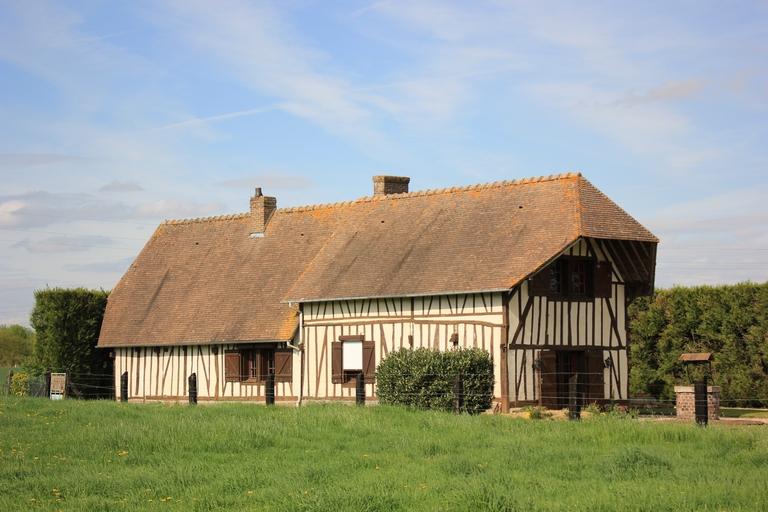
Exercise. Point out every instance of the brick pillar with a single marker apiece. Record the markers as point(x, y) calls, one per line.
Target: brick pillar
point(686, 403)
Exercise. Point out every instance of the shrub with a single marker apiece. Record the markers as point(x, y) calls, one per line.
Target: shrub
point(537, 413)
point(424, 378)
point(20, 384)
point(16, 344)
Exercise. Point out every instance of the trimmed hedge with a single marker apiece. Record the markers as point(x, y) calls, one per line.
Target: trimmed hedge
point(67, 323)
point(730, 321)
point(424, 378)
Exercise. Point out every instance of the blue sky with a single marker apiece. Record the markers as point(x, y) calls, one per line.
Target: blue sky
point(115, 116)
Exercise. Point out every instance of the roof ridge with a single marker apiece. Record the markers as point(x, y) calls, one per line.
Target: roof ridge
point(214, 218)
point(434, 191)
point(387, 197)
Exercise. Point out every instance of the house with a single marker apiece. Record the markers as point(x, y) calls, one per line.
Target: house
point(538, 272)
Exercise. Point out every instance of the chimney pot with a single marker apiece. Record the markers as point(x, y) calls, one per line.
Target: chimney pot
point(385, 185)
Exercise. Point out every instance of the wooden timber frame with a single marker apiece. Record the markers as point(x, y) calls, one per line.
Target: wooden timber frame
point(515, 326)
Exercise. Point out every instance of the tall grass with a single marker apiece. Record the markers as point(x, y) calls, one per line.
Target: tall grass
point(106, 456)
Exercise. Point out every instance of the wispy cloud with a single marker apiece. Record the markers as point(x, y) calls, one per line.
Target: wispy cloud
point(42, 208)
point(252, 43)
point(116, 266)
point(121, 186)
point(670, 91)
point(59, 244)
point(14, 161)
point(199, 121)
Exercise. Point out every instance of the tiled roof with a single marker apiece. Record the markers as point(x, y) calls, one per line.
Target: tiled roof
point(206, 280)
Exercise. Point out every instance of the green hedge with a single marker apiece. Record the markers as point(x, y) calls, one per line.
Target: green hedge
point(424, 378)
point(67, 323)
point(729, 321)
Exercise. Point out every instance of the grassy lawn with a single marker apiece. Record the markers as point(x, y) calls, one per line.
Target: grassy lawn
point(106, 456)
point(4, 380)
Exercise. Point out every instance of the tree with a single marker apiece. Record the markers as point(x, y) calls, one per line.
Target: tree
point(16, 344)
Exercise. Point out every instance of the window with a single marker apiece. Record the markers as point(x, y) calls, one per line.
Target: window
point(350, 356)
point(578, 272)
point(256, 364)
point(567, 278)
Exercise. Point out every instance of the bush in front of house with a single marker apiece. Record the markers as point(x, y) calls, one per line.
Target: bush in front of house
point(424, 378)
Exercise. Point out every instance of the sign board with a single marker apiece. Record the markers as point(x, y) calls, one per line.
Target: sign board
point(352, 356)
point(58, 385)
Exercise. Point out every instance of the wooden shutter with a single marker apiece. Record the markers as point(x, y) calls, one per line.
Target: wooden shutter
point(369, 361)
point(595, 380)
point(232, 366)
point(603, 279)
point(539, 283)
point(548, 378)
point(337, 371)
point(283, 365)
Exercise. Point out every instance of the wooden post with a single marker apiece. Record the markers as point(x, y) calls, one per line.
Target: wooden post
point(270, 389)
point(192, 381)
point(504, 354)
point(458, 395)
point(359, 389)
point(574, 407)
point(10, 381)
point(124, 387)
point(47, 385)
point(700, 401)
point(540, 379)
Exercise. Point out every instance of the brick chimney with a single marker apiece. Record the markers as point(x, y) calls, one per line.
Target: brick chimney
point(262, 208)
point(385, 185)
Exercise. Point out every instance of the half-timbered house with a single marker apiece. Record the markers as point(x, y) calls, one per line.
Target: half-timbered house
point(538, 272)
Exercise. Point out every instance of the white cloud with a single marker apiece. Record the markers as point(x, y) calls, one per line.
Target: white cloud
point(9, 211)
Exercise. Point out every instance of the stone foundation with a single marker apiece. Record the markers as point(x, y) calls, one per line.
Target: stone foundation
point(686, 403)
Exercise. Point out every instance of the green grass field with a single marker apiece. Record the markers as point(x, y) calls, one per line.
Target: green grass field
point(80, 456)
point(743, 413)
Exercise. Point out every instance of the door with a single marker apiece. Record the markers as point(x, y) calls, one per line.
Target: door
point(557, 368)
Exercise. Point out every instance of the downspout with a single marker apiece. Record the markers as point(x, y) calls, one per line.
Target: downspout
point(300, 347)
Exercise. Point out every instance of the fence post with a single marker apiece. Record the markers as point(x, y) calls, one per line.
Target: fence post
point(47, 385)
point(124, 387)
point(270, 391)
point(192, 389)
point(359, 389)
point(10, 381)
point(458, 395)
point(574, 407)
point(700, 401)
